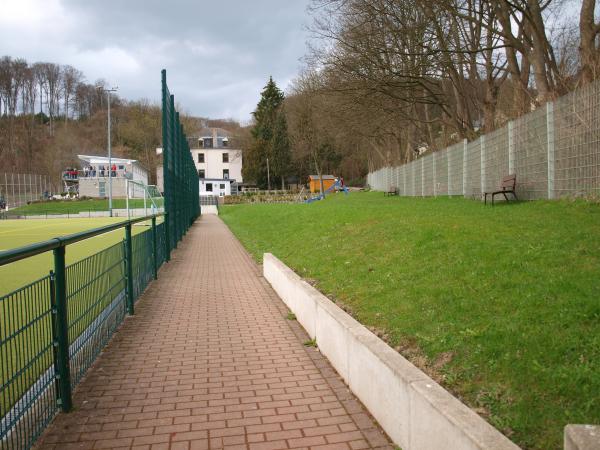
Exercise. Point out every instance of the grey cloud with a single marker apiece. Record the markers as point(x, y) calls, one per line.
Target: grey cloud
point(218, 55)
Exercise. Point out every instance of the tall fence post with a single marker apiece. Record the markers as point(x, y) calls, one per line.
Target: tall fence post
point(511, 148)
point(449, 172)
point(422, 178)
point(550, 145)
point(129, 269)
point(482, 162)
point(154, 248)
point(404, 179)
point(61, 331)
point(465, 147)
point(434, 176)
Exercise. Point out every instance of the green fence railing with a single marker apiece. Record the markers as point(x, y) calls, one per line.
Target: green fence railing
point(52, 330)
point(181, 186)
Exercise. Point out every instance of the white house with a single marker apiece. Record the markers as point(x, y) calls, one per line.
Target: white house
point(219, 165)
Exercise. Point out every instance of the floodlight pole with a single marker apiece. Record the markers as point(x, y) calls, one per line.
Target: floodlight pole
point(108, 91)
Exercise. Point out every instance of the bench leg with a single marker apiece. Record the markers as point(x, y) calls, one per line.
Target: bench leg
point(505, 197)
point(485, 198)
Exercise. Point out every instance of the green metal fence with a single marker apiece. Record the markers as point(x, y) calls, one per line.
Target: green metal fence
point(52, 330)
point(180, 177)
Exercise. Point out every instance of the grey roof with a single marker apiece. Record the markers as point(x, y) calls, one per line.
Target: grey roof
point(325, 177)
point(208, 132)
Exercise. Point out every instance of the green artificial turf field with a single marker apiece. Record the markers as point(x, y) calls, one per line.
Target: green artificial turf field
point(500, 304)
point(17, 233)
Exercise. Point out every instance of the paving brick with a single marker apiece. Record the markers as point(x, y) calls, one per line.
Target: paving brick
point(210, 360)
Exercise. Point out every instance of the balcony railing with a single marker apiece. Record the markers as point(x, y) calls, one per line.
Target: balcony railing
point(74, 175)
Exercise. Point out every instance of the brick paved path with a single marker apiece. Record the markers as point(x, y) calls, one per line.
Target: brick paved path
point(209, 361)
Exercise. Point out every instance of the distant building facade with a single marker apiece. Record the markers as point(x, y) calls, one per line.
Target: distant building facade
point(218, 163)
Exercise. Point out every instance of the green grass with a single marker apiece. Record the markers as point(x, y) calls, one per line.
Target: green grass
point(77, 206)
point(500, 304)
point(17, 233)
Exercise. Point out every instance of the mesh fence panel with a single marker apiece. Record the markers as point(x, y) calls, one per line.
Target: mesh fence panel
point(427, 172)
point(455, 169)
point(441, 172)
point(28, 394)
point(495, 162)
point(96, 302)
point(531, 155)
point(577, 143)
point(473, 172)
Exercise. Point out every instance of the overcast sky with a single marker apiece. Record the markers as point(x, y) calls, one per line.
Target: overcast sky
point(218, 54)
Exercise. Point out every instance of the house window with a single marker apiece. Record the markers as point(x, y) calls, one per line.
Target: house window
point(201, 174)
point(200, 157)
point(209, 187)
point(226, 174)
point(121, 167)
point(225, 157)
point(225, 143)
point(221, 186)
point(208, 143)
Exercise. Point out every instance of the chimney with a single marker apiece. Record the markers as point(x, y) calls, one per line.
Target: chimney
point(214, 136)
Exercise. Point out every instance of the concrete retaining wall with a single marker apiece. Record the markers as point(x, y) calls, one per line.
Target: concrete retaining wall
point(582, 437)
point(415, 411)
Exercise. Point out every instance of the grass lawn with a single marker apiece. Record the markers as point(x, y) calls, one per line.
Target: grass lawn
point(17, 233)
point(77, 206)
point(500, 304)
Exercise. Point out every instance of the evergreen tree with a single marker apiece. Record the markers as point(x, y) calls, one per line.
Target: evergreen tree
point(280, 148)
point(265, 117)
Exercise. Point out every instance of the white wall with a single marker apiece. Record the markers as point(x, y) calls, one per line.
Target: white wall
point(213, 162)
point(217, 189)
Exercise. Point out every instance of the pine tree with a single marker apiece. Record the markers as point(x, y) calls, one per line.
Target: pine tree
point(280, 148)
point(265, 117)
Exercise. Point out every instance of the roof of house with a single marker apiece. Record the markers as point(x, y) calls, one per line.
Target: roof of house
point(325, 177)
point(208, 133)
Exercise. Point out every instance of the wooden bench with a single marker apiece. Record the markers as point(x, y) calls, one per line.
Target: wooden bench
point(393, 190)
point(507, 187)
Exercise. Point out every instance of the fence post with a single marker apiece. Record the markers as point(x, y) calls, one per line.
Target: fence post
point(550, 145)
point(482, 162)
point(167, 236)
point(449, 172)
point(154, 248)
point(61, 331)
point(404, 180)
point(129, 269)
point(422, 178)
point(511, 147)
point(465, 147)
point(434, 176)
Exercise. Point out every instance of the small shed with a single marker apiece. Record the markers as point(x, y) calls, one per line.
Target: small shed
point(315, 185)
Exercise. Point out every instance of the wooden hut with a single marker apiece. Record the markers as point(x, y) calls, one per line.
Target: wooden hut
point(315, 185)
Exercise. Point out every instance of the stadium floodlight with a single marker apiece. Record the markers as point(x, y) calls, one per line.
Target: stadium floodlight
point(108, 92)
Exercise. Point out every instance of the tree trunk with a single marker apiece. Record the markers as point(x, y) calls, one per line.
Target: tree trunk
point(589, 30)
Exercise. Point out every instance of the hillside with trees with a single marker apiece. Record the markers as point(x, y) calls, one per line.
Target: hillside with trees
point(49, 113)
point(386, 80)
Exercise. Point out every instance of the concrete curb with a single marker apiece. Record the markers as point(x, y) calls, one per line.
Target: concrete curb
point(415, 411)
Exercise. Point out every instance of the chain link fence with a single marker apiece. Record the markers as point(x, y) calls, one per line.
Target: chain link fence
point(17, 189)
point(554, 151)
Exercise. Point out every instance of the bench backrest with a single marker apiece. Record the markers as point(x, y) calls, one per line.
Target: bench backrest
point(508, 183)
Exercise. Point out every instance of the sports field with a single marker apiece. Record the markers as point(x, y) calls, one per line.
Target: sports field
point(17, 233)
